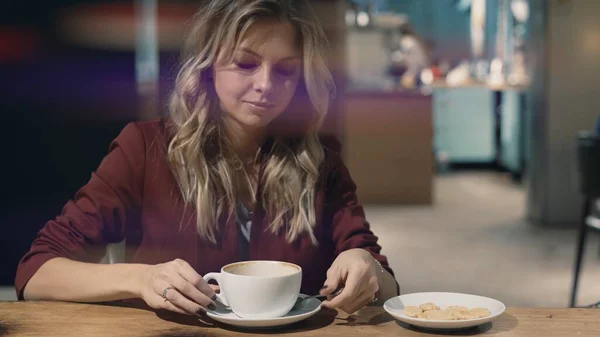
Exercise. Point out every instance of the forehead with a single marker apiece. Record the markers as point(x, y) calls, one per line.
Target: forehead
point(273, 39)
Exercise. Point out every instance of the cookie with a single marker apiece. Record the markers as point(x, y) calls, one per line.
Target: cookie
point(481, 312)
point(431, 311)
point(456, 308)
point(429, 306)
point(412, 311)
point(438, 315)
point(464, 314)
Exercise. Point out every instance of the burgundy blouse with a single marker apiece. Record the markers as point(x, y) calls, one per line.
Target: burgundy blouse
point(134, 196)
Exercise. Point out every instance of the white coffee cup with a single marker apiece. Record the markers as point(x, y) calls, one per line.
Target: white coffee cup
point(258, 289)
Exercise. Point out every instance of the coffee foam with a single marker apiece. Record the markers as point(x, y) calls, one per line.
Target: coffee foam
point(267, 269)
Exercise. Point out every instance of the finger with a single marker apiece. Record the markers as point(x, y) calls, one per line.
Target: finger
point(200, 311)
point(191, 292)
point(169, 306)
point(188, 273)
point(361, 301)
point(216, 288)
point(180, 301)
point(351, 290)
point(156, 301)
point(332, 282)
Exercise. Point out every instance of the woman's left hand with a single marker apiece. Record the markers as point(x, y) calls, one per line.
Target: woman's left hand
point(357, 271)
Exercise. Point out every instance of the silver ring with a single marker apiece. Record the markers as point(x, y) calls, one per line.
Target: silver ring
point(164, 293)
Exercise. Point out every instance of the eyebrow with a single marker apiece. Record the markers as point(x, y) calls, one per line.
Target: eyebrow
point(250, 51)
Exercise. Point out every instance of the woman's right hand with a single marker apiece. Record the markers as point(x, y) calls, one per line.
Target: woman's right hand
point(187, 292)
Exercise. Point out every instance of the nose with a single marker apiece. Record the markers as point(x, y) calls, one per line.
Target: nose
point(263, 82)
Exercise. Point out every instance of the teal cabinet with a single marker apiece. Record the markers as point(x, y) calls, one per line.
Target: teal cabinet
point(464, 124)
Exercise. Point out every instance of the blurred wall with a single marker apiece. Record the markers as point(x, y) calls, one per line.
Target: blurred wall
point(61, 105)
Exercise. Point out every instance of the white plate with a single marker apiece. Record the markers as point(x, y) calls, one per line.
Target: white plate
point(395, 307)
point(299, 312)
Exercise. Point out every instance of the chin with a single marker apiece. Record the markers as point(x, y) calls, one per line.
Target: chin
point(256, 121)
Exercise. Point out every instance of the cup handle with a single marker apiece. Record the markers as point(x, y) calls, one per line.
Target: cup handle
point(217, 277)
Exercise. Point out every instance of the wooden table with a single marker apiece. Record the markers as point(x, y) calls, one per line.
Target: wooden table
point(68, 319)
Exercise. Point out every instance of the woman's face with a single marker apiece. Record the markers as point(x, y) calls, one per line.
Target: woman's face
point(260, 82)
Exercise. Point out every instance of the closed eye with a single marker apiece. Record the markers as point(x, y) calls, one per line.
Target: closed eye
point(246, 65)
point(285, 71)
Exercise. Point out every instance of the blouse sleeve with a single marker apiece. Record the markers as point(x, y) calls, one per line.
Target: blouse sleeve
point(349, 226)
point(98, 213)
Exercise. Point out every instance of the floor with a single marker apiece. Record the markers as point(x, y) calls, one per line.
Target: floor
point(7, 294)
point(475, 240)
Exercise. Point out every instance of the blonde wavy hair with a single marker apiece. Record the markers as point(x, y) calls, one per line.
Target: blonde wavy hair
point(201, 160)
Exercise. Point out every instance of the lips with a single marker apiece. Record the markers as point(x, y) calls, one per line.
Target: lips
point(261, 105)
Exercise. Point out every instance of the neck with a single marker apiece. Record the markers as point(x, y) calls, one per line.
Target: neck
point(244, 140)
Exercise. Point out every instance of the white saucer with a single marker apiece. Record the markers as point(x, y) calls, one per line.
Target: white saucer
point(395, 307)
point(299, 312)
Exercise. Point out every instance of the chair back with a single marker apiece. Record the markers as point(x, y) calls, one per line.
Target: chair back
point(588, 153)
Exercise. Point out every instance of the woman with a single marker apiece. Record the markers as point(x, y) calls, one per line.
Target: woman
point(236, 172)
